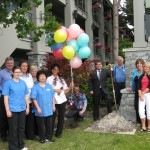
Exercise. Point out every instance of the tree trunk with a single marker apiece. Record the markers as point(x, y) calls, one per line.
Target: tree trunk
point(115, 30)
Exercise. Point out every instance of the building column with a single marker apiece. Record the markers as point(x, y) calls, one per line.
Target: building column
point(88, 25)
point(69, 9)
point(139, 31)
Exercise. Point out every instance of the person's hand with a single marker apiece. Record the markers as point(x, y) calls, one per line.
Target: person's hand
point(81, 113)
point(9, 114)
point(59, 91)
point(110, 66)
point(141, 97)
point(91, 92)
point(129, 90)
point(27, 111)
point(54, 108)
point(39, 111)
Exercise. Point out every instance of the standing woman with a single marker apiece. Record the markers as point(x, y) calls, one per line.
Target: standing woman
point(144, 96)
point(43, 99)
point(26, 76)
point(60, 89)
point(33, 71)
point(16, 99)
point(135, 77)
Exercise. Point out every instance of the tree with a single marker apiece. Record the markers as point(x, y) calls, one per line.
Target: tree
point(116, 5)
point(25, 26)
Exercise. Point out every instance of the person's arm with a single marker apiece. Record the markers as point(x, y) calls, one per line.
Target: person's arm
point(139, 88)
point(69, 88)
point(84, 108)
point(54, 102)
point(27, 103)
point(8, 112)
point(37, 106)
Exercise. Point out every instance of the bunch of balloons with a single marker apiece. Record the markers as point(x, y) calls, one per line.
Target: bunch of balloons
point(76, 44)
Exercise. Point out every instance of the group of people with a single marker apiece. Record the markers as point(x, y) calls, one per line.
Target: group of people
point(28, 100)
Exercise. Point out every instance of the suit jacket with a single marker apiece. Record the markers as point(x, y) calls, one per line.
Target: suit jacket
point(95, 83)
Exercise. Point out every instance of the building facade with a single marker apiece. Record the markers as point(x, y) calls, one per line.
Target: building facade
point(93, 16)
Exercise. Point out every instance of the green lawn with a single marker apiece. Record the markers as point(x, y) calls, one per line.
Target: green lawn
point(78, 139)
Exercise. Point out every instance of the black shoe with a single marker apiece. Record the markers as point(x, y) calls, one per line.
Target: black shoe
point(58, 135)
point(42, 141)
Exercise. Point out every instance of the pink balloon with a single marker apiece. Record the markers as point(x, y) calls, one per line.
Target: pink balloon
point(75, 62)
point(68, 36)
point(81, 31)
point(58, 53)
point(63, 28)
point(74, 30)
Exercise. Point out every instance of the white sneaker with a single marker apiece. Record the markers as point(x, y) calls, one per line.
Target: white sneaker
point(25, 148)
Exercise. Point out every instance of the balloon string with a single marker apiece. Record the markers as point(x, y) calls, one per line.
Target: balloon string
point(71, 80)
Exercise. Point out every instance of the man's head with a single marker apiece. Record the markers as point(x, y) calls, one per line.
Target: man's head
point(98, 65)
point(120, 60)
point(9, 63)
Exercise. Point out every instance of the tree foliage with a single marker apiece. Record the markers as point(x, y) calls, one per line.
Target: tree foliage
point(16, 11)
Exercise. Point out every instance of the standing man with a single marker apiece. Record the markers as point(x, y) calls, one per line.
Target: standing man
point(5, 75)
point(98, 88)
point(119, 79)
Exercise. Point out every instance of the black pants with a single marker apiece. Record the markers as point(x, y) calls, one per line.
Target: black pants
point(16, 130)
point(3, 119)
point(96, 103)
point(44, 127)
point(60, 109)
point(136, 105)
point(118, 94)
point(30, 125)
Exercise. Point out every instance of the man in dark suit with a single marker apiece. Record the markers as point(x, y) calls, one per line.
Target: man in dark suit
point(98, 88)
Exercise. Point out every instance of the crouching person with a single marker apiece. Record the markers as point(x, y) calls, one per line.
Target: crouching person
point(43, 98)
point(78, 104)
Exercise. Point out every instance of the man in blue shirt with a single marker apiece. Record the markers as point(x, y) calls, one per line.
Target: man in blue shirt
point(119, 79)
point(5, 75)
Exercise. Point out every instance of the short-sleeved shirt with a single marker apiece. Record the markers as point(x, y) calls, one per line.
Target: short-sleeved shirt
point(58, 83)
point(16, 92)
point(5, 75)
point(44, 98)
point(78, 101)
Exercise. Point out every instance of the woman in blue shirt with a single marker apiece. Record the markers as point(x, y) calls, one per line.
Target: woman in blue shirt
point(43, 98)
point(16, 102)
point(135, 78)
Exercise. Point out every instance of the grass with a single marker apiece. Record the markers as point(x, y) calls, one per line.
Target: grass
point(78, 139)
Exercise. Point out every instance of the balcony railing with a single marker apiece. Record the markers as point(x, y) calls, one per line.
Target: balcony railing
point(80, 4)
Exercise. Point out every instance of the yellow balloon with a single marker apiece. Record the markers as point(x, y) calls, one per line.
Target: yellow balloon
point(60, 36)
point(68, 52)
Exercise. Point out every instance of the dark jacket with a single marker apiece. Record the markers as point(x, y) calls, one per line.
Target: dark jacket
point(95, 83)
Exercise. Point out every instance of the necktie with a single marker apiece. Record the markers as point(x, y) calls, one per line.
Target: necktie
point(99, 74)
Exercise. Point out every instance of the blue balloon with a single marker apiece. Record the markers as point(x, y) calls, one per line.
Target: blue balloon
point(73, 43)
point(83, 39)
point(84, 52)
point(56, 46)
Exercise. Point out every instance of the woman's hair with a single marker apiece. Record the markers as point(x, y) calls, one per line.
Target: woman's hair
point(140, 60)
point(148, 65)
point(40, 72)
point(25, 61)
point(14, 68)
point(33, 67)
point(55, 65)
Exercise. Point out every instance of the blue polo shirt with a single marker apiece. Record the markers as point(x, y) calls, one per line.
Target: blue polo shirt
point(119, 74)
point(5, 75)
point(44, 98)
point(16, 92)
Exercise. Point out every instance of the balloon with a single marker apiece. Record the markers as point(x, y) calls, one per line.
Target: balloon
point(75, 62)
point(56, 46)
point(68, 52)
point(63, 28)
point(83, 39)
point(74, 44)
point(84, 52)
point(74, 30)
point(81, 31)
point(68, 36)
point(60, 36)
point(58, 53)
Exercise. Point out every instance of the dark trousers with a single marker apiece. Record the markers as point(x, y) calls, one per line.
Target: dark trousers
point(136, 105)
point(60, 109)
point(3, 119)
point(74, 114)
point(44, 127)
point(96, 103)
point(16, 130)
point(30, 125)
point(118, 94)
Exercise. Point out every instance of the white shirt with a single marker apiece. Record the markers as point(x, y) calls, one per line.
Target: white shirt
point(60, 98)
point(27, 78)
